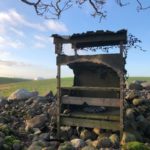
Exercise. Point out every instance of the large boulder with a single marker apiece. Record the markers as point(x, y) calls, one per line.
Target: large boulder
point(146, 85)
point(22, 94)
point(36, 122)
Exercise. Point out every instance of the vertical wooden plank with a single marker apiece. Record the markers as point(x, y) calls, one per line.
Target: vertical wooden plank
point(58, 99)
point(121, 91)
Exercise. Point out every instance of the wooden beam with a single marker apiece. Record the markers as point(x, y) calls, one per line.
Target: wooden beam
point(84, 88)
point(90, 123)
point(112, 115)
point(107, 102)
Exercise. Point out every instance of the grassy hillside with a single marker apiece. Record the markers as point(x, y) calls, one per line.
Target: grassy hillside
point(43, 86)
point(138, 78)
point(5, 80)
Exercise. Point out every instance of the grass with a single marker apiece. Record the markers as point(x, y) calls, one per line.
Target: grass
point(43, 86)
point(5, 80)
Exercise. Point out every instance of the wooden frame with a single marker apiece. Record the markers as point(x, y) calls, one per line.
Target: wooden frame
point(114, 61)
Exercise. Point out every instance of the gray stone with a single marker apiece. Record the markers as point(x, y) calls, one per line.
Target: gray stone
point(146, 85)
point(22, 94)
point(36, 122)
point(44, 136)
point(135, 85)
point(114, 139)
point(36, 146)
point(88, 148)
point(130, 114)
point(78, 143)
point(17, 146)
point(105, 142)
point(131, 95)
point(86, 134)
point(66, 146)
point(1, 142)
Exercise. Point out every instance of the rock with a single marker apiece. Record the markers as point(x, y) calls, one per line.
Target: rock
point(36, 122)
point(88, 148)
point(22, 94)
point(66, 132)
point(36, 146)
point(114, 140)
point(17, 145)
point(36, 131)
point(135, 85)
point(97, 131)
point(137, 101)
point(105, 142)
point(3, 102)
point(130, 114)
point(96, 144)
point(85, 134)
point(66, 146)
point(127, 137)
point(146, 85)
point(135, 146)
point(77, 143)
point(44, 136)
point(131, 95)
point(1, 142)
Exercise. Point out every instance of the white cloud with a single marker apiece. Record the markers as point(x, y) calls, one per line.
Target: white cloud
point(42, 38)
point(16, 31)
point(4, 53)
point(39, 45)
point(13, 18)
point(56, 26)
point(6, 42)
point(13, 63)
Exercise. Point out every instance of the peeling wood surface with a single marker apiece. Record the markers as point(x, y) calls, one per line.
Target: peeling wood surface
point(107, 115)
point(91, 123)
point(111, 102)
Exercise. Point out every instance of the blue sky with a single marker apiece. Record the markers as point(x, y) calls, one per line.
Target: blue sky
point(27, 51)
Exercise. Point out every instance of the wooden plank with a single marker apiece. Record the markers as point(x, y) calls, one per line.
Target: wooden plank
point(90, 123)
point(121, 92)
point(91, 88)
point(108, 102)
point(58, 99)
point(108, 115)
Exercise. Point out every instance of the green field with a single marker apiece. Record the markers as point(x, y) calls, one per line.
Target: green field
point(4, 80)
point(43, 86)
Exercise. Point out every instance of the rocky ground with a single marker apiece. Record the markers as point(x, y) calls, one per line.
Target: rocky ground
point(28, 122)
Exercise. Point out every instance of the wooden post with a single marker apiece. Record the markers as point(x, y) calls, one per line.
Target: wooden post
point(121, 91)
point(58, 49)
point(58, 99)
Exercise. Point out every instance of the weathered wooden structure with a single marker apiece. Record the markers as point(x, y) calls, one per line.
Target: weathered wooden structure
point(98, 81)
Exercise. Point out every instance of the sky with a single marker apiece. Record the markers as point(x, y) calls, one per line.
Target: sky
point(26, 45)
